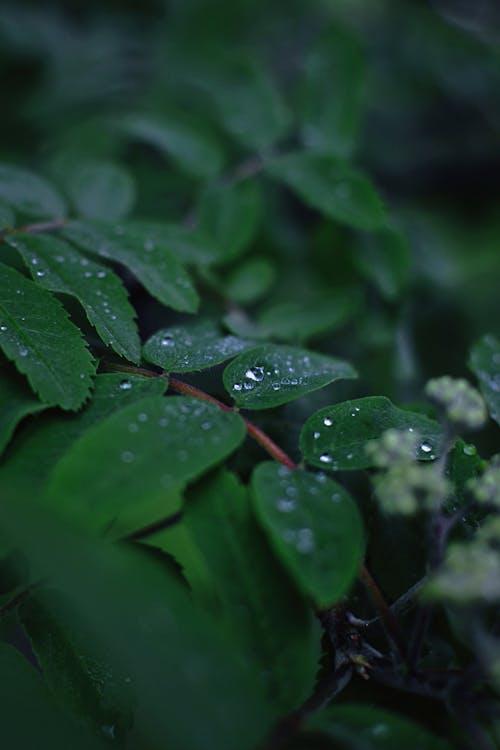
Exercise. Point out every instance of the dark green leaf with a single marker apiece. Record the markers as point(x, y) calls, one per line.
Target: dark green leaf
point(156, 268)
point(364, 727)
point(101, 190)
point(57, 266)
point(484, 361)
point(298, 321)
point(127, 470)
point(314, 527)
point(79, 674)
point(46, 347)
point(231, 570)
point(250, 280)
point(7, 216)
point(195, 346)
point(384, 258)
point(194, 148)
point(335, 437)
point(331, 186)
point(30, 718)
point(230, 215)
point(463, 463)
point(331, 92)
point(179, 663)
point(270, 375)
point(30, 194)
point(16, 402)
point(190, 246)
point(41, 444)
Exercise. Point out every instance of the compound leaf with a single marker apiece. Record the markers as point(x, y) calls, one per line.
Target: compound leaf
point(46, 347)
point(16, 402)
point(270, 375)
point(314, 527)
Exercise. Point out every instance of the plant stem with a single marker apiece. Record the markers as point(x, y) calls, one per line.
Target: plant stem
point(389, 620)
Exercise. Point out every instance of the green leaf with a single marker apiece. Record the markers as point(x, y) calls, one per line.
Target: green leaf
point(195, 149)
point(46, 347)
point(195, 346)
point(57, 266)
point(298, 321)
point(270, 375)
point(190, 246)
point(331, 93)
point(16, 402)
point(7, 216)
point(30, 194)
point(251, 280)
point(230, 215)
point(101, 190)
point(232, 572)
point(384, 258)
point(484, 361)
point(463, 463)
point(38, 447)
point(314, 527)
point(330, 186)
point(365, 727)
point(245, 101)
point(30, 718)
point(157, 269)
point(128, 468)
point(335, 437)
point(78, 672)
point(178, 661)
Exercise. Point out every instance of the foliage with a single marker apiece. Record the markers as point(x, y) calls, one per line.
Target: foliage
point(210, 209)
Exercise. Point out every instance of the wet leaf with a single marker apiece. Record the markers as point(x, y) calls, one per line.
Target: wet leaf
point(314, 527)
point(270, 375)
point(335, 437)
point(46, 347)
point(30, 194)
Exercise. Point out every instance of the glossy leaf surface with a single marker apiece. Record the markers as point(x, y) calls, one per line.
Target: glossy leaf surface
point(314, 527)
point(270, 375)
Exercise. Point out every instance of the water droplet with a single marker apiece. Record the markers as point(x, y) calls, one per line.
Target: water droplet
point(325, 458)
point(237, 387)
point(3, 328)
point(327, 422)
point(255, 373)
point(149, 245)
point(142, 417)
point(23, 351)
point(84, 262)
point(88, 274)
point(316, 435)
point(206, 425)
point(167, 340)
point(127, 457)
point(125, 385)
point(410, 429)
point(59, 258)
point(275, 386)
point(335, 497)
point(470, 450)
point(349, 456)
point(133, 427)
point(163, 422)
point(284, 471)
point(248, 386)
point(285, 506)
point(305, 541)
point(101, 274)
point(425, 447)
point(40, 273)
point(34, 261)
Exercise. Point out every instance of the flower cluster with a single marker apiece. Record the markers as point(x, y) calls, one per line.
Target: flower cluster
point(471, 572)
point(394, 446)
point(462, 403)
point(486, 488)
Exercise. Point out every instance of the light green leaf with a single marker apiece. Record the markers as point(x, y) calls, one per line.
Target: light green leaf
point(79, 673)
point(195, 346)
point(251, 280)
point(332, 187)
point(16, 402)
point(484, 361)
point(101, 190)
point(335, 437)
point(384, 258)
point(230, 215)
point(298, 321)
point(30, 718)
point(365, 727)
point(246, 101)
point(270, 375)
point(46, 347)
point(30, 194)
point(57, 266)
point(314, 527)
point(37, 448)
point(195, 149)
point(232, 572)
point(7, 216)
point(157, 269)
point(331, 93)
point(129, 467)
point(178, 661)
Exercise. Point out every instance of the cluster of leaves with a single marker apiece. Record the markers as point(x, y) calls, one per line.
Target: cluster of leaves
point(208, 232)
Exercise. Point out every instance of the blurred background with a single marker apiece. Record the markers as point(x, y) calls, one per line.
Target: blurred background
point(408, 91)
